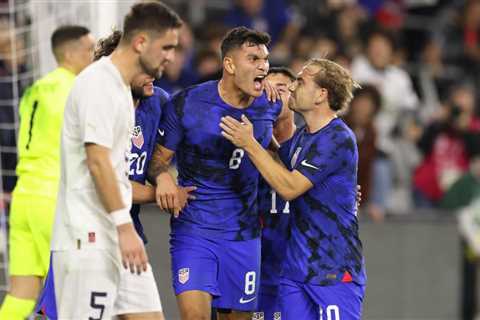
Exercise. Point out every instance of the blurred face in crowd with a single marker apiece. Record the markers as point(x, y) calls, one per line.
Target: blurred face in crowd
point(464, 99)
point(379, 51)
point(142, 86)
point(251, 7)
point(81, 52)
point(362, 109)
point(305, 93)
point(249, 66)
point(156, 51)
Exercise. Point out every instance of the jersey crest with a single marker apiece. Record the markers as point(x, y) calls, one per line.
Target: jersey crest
point(137, 137)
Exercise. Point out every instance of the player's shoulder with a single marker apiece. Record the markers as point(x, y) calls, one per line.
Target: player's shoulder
point(161, 95)
point(99, 72)
point(266, 107)
point(202, 92)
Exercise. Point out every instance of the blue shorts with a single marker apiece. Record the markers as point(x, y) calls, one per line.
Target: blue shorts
point(228, 270)
point(268, 303)
point(302, 301)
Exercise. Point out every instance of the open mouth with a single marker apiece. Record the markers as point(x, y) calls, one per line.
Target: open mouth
point(258, 82)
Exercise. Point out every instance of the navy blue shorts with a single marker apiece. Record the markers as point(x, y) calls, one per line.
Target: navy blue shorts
point(302, 301)
point(228, 270)
point(269, 307)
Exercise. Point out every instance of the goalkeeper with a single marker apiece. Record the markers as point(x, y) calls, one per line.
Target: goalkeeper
point(38, 170)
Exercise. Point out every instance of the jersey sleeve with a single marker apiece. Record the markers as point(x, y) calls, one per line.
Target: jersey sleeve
point(96, 108)
point(324, 157)
point(170, 131)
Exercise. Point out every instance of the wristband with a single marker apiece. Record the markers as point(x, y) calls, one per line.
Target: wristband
point(121, 216)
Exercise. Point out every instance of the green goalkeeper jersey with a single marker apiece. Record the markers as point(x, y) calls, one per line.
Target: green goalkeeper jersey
point(41, 119)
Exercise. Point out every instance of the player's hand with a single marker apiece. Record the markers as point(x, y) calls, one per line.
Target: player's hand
point(185, 195)
point(238, 133)
point(134, 256)
point(272, 92)
point(166, 192)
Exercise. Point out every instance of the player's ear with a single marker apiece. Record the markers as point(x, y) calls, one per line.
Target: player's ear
point(321, 95)
point(228, 65)
point(139, 42)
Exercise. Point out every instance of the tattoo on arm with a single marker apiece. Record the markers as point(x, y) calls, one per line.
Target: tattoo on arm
point(158, 164)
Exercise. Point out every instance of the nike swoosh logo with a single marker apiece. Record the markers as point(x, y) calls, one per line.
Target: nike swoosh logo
point(306, 164)
point(161, 132)
point(242, 301)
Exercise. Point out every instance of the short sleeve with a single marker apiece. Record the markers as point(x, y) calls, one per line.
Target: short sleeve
point(170, 131)
point(326, 156)
point(98, 111)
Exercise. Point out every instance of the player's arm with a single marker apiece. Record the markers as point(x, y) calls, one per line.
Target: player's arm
point(104, 177)
point(142, 193)
point(168, 195)
point(289, 184)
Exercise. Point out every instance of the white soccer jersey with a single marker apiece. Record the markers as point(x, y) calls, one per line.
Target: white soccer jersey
point(99, 110)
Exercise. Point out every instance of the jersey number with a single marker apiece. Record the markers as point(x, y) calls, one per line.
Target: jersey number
point(236, 158)
point(96, 305)
point(250, 282)
point(332, 313)
point(137, 163)
point(286, 209)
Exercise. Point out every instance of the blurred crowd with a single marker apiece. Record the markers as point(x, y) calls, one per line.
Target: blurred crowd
point(416, 116)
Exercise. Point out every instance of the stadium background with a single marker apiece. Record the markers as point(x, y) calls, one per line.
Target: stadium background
point(415, 262)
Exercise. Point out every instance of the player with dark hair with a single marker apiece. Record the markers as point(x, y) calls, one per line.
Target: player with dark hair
point(215, 242)
point(38, 169)
point(274, 211)
point(323, 270)
point(93, 234)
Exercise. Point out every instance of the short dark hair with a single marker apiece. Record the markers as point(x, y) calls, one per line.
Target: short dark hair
point(370, 91)
point(283, 70)
point(105, 46)
point(152, 16)
point(65, 34)
point(236, 37)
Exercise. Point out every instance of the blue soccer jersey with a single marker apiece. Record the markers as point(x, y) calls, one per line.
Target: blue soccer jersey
point(324, 247)
point(144, 137)
point(226, 180)
point(275, 215)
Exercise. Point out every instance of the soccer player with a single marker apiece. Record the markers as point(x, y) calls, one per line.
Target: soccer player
point(38, 169)
point(215, 243)
point(323, 273)
point(93, 234)
point(274, 211)
point(149, 101)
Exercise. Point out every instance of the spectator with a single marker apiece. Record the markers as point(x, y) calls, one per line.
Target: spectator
point(443, 145)
point(365, 104)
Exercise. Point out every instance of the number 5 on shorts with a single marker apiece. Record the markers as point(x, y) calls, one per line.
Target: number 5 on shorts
point(250, 282)
point(95, 305)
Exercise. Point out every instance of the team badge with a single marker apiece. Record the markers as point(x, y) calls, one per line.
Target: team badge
point(258, 316)
point(277, 316)
point(183, 275)
point(137, 137)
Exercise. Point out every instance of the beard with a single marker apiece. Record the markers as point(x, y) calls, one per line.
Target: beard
point(138, 93)
point(147, 69)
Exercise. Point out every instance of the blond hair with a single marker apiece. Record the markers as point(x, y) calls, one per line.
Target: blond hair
point(337, 81)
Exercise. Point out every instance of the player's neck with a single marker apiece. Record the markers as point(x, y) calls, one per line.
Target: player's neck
point(69, 67)
point(126, 63)
point(316, 119)
point(232, 95)
point(284, 127)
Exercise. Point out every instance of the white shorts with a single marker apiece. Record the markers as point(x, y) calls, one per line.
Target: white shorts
point(92, 284)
